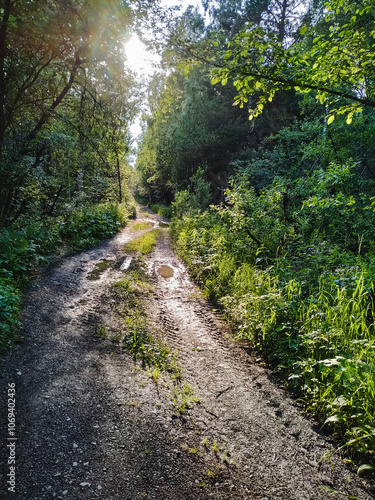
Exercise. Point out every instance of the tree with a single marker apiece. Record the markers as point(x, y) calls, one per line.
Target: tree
point(55, 59)
point(336, 62)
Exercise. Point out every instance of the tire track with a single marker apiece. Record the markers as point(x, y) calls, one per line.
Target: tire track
point(92, 425)
point(278, 452)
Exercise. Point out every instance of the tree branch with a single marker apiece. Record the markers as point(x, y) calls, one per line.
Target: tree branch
point(46, 114)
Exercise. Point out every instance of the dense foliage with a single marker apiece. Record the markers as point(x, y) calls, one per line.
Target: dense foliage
point(274, 216)
point(287, 249)
point(66, 102)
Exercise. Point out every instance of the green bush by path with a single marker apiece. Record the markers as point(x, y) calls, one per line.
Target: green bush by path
point(303, 298)
point(10, 299)
point(30, 244)
point(160, 209)
point(87, 226)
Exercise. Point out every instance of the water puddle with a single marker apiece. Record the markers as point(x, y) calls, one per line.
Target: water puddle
point(125, 265)
point(165, 271)
point(99, 269)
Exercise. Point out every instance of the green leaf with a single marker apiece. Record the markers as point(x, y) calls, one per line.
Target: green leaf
point(333, 418)
point(303, 30)
point(330, 119)
point(364, 467)
point(224, 81)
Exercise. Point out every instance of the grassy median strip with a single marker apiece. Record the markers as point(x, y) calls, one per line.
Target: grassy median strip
point(144, 244)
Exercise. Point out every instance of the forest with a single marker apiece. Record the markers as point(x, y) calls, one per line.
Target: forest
point(66, 102)
point(257, 142)
point(260, 138)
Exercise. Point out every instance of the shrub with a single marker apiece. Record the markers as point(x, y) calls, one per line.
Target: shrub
point(10, 300)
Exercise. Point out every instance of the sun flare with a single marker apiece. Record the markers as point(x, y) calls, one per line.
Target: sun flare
point(138, 58)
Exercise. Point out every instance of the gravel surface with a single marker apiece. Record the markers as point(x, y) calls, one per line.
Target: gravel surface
point(92, 424)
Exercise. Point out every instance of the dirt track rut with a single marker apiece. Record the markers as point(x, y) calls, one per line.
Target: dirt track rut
point(92, 424)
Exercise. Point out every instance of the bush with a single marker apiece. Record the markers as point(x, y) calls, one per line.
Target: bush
point(30, 242)
point(89, 225)
point(160, 209)
point(10, 300)
point(303, 296)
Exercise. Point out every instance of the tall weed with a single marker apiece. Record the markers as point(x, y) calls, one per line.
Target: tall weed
point(312, 316)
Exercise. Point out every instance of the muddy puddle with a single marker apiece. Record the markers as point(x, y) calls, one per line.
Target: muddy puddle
point(99, 269)
point(165, 271)
point(126, 263)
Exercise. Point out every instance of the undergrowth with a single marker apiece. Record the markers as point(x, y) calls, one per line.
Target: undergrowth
point(161, 209)
point(28, 244)
point(307, 305)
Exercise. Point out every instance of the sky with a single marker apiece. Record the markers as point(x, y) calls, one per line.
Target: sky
point(142, 62)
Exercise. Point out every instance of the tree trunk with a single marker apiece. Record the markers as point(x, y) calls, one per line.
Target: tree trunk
point(119, 180)
point(3, 43)
point(281, 24)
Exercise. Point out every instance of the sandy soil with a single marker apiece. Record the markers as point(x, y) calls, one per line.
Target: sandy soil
point(91, 423)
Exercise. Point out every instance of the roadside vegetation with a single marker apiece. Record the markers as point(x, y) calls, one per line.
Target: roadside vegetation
point(275, 216)
point(304, 297)
point(64, 137)
point(28, 246)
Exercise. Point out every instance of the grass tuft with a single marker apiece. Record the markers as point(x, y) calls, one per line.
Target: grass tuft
point(144, 244)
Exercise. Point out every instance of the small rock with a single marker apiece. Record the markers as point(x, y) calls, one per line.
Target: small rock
point(85, 484)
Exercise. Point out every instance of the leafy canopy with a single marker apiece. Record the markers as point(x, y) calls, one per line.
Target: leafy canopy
point(335, 57)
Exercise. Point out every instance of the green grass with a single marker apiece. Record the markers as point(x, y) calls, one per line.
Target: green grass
point(145, 243)
point(184, 397)
point(138, 337)
point(319, 333)
point(139, 226)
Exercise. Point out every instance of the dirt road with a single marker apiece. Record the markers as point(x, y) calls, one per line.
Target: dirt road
point(93, 424)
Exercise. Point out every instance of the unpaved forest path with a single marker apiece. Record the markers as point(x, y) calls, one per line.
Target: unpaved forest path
point(91, 424)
